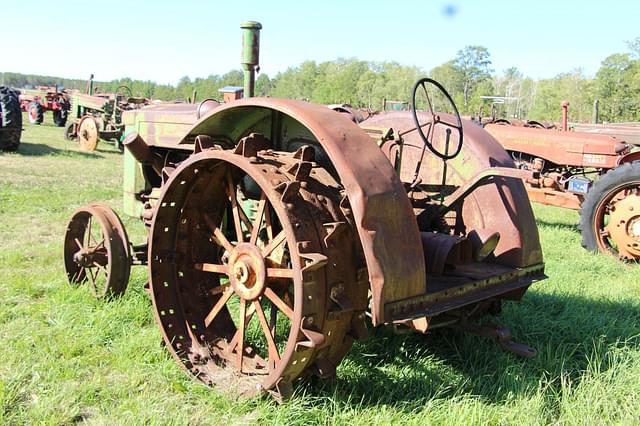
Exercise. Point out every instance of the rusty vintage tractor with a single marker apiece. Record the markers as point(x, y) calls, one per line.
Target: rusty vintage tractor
point(98, 116)
point(277, 229)
point(594, 173)
point(35, 102)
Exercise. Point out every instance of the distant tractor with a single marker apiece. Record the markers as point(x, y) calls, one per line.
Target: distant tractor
point(598, 175)
point(10, 119)
point(96, 116)
point(35, 102)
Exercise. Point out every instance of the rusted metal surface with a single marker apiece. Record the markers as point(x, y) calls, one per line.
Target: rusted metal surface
point(628, 132)
point(383, 215)
point(569, 163)
point(502, 206)
point(562, 148)
point(286, 271)
point(275, 226)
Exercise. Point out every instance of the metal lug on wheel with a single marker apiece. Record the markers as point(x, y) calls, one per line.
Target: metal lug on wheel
point(314, 261)
point(305, 153)
point(300, 171)
point(166, 173)
point(335, 231)
point(288, 190)
point(203, 142)
point(250, 145)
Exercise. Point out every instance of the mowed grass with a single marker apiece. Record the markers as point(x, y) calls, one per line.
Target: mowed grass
point(67, 358)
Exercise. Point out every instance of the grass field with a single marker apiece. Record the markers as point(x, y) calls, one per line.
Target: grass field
point(67, 358)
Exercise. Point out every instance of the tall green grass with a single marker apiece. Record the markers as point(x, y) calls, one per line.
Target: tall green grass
point(67, 358)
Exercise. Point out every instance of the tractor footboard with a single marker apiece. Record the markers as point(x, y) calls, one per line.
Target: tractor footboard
point(468, 284)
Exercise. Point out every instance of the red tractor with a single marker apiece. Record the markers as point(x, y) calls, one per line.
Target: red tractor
point(597, 174)
point(45, 98)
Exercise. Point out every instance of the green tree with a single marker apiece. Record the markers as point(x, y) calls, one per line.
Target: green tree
point(473, 65)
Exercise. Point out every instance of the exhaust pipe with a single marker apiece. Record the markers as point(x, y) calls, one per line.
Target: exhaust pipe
point(250, 55)
point(142, 153)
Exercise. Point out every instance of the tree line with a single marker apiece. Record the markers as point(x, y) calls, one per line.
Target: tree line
point(469, 78)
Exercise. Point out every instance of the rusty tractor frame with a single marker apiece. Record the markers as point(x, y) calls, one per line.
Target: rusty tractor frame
point(280, 230)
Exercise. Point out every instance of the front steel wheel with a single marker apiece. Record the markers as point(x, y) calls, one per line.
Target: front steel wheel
point(96, 251)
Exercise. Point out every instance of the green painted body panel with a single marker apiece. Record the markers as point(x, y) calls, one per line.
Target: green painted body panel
point(161, 125)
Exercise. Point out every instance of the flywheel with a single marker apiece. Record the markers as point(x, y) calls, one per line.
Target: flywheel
point(254, 271)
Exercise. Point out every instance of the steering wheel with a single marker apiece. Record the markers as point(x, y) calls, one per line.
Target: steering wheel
point(124, 91)
point(435, 118)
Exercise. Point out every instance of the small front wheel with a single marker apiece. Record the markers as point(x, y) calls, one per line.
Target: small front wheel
point(97, 252)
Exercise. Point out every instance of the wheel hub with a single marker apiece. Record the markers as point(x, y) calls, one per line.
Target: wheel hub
point(247, 271)
point(624, 225)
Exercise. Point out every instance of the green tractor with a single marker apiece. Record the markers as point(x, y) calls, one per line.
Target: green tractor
point(96, 116)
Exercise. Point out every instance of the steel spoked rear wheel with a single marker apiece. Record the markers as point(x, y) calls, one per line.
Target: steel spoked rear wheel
point(96, 251)
point(238, 275)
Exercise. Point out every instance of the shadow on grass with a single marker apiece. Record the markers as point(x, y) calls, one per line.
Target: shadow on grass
point(38, 149)
point(571, 334)
point(559, 225)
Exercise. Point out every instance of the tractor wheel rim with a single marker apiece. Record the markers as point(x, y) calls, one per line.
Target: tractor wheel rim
point(617, 222)
point(247, 302)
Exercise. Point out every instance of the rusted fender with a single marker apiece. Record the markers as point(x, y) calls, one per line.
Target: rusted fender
point(382, 212)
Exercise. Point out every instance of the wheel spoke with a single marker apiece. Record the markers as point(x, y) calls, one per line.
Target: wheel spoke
point(243, 320)
point(446, 123)
point(245, 219)
point(92, 280)
point(275, 242)
point(76, 276)
point(212, 267)
point(273, 350)
point(267, 223)
point(256, 225)
point(231, 192)
point(99, 245)
point(218, 235)
point(219, 289)
point(78, 243)
point(279, 273)
point(273, 297)
point(226, 294)
point(426, 92)
point(102, 268)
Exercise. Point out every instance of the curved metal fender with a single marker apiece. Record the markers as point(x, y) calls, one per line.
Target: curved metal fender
point(383, 214)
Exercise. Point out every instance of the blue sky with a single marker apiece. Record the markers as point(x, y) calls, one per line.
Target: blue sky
point(165, 40)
